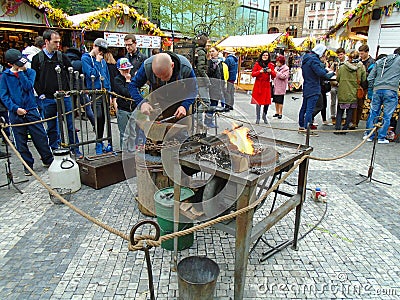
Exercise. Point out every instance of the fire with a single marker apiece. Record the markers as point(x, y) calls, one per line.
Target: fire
point(239, 137)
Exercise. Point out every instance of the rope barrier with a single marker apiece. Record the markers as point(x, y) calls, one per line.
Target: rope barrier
point(143, 240)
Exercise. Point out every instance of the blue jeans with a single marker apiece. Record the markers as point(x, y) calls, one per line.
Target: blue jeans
point(38, 135)
point(127, 130)
point(53, 130)
point(389, 100)
point(84, 99)
point(306, 110)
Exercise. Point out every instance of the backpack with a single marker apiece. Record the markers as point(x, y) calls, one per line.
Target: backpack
point(41, 59)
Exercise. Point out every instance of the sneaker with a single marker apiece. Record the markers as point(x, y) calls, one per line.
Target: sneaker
point(275, 116)
point(327, 123)
point(369, 140)
point(27, 173)
point(301, 130)
point(78, 154)
point(313, 127)
point(365, 136)
point(384, 141)
point(279, 117)
point(99, 148)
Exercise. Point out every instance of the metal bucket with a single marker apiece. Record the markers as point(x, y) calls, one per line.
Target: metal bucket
point(197, 277)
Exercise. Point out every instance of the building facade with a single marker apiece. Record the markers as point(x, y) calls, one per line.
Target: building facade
point(286, 16)
point(320, 16)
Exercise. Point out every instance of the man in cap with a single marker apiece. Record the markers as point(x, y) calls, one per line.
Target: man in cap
point(45, 64)
point(94, 64)
point(124, 107)
point(16, 92)
point(312, 74)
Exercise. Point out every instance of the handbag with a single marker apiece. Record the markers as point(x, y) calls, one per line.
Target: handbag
point(360, 90)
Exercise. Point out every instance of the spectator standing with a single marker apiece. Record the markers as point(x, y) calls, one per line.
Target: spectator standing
point(264, 72)
point(17, 94)
point(313, 72)
point(125, 108)
point(280, 84)
point(94, 64)
point(200, 69)
point(46, 85)
point(136, 58)
point(349, 74)
point(341, 55)
point(31, 51)
point(215, 74)
point(384, 79)
point(232, 62)
point(369, 64)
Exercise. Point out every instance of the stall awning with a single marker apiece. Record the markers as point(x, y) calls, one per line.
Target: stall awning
point(298, 41)
point(256, 40)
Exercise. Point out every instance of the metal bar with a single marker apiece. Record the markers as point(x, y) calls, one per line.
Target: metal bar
point(177, 201)
point(244, 224)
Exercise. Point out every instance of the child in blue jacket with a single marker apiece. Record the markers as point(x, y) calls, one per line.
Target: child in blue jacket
point(16, 92)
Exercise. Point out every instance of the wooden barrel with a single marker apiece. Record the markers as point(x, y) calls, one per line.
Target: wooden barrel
point(150, 179)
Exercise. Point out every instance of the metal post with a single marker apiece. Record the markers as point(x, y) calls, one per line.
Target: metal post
point(94, 102)
point(59, 96)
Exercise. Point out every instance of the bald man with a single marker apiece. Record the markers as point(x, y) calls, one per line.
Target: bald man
point(172, 84)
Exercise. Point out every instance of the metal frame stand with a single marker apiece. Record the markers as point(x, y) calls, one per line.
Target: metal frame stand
point(9, 174)
point(368, 177)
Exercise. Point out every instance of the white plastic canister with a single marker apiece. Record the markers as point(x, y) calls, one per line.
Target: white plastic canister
point(64, 171)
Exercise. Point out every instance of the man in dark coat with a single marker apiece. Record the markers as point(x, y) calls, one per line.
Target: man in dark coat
point(313, 72)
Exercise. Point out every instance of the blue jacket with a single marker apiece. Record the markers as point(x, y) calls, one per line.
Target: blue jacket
point(90, 66)
point(313, 72)
point(181, 88)
point(17, 92)
point(232, 63)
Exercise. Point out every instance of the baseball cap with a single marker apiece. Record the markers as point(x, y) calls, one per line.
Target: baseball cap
point(124, 64)
point(14, 56)
point(102, 43)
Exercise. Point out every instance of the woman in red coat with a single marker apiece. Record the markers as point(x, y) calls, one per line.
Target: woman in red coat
point(263, 71)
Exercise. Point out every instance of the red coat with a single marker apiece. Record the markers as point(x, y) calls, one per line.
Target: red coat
point(262, 87)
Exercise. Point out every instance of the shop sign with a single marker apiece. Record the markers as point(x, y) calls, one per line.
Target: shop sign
point(143, 41)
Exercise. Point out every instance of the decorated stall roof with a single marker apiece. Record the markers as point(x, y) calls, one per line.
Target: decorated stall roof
point(51, 16)
point(100, 19)
point(362, 10)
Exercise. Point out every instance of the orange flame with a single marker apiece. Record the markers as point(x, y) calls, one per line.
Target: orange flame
point(239, 137)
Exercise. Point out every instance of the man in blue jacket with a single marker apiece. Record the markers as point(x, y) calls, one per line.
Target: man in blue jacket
point(16, 92)
point(94, 64)
point(313, 72)
point(174, 72)
point(384, 80)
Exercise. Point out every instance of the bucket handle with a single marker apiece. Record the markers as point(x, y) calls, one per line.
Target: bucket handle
point(68, 161)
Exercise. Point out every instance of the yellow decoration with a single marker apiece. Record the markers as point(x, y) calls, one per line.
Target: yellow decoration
point(54, 14)
point(115, 10)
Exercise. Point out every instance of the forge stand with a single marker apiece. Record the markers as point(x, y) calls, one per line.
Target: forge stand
point(241, 189)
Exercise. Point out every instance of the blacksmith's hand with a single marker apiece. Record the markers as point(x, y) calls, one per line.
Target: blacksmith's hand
point(180, 112)
point(146, 108)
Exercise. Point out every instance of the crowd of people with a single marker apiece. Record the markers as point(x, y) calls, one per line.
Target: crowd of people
point(28, 87)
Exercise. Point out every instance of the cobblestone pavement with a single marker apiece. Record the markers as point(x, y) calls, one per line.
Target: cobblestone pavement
point(48, 251)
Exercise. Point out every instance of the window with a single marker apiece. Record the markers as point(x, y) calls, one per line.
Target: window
point(311, 24)
point(322, 5)
point(330, 23)
point(293, 10)
point(348, 4)
point(332, 5)
point(274, 11)
point(313, 5)
point(320, 24)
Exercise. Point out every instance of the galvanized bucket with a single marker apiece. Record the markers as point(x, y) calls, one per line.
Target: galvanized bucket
point(197, 277)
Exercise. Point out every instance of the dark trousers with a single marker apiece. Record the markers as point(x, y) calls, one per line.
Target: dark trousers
point(339, 116)
point(4, 114)
point(38, 135)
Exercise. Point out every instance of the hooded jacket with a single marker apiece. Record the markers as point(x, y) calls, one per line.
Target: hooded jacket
point(386, 74)
point(347, 79)
point(90, 66)
point(17, 92)
point(312, 74)
point(30, 52)
point(232, 63)
point(179, 91)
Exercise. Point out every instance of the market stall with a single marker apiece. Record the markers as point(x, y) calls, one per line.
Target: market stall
point(248, 48)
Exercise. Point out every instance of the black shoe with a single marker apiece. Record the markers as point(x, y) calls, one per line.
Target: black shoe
point(275, 116)
point(279, 116)
point(4, 155)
